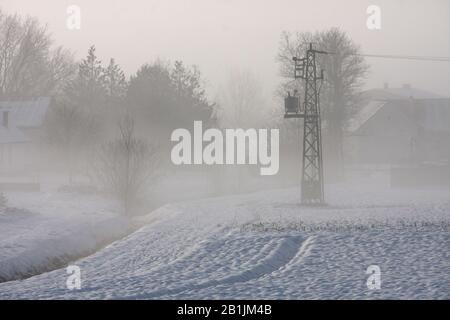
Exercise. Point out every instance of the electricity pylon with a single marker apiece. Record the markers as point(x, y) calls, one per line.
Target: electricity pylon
point(312, 171)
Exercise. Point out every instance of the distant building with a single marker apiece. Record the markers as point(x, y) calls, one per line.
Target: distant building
point(21, 125)
point(400, 126)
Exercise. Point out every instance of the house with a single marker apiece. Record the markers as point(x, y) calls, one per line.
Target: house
point(401, 128)
point(399, 125)
point(21, 125)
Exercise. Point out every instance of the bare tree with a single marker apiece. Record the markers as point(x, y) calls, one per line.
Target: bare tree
point(127, 166)
point(345, 71)
point(29, 67)
point(240, 103)
point(62, 69)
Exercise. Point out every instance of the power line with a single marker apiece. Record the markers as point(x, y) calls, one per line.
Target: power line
point(402, 57)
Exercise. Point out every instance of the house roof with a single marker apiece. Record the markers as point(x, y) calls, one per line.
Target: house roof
point(364, 114)
point(406, 92)
point(26, 114)
point(376, 99)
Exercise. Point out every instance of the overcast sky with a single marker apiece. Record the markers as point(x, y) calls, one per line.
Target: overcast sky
point(219, 35)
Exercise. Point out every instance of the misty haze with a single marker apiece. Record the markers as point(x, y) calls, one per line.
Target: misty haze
point(213, 149)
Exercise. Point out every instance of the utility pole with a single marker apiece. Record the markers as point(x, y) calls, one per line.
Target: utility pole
point(312, 170)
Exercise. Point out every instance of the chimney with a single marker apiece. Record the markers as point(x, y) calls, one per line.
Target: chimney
point(386, 85)
point(6, 118)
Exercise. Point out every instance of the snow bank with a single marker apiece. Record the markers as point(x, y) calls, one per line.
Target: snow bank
point(44, 231)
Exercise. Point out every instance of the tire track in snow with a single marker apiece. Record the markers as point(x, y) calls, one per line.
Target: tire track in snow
point(288, 252)
point(301, 254)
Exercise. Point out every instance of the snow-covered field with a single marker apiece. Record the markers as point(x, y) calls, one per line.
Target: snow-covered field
point(44, 230)
point(267, 246)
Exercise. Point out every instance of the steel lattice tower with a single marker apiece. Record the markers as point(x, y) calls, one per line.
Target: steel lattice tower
point(312, 173)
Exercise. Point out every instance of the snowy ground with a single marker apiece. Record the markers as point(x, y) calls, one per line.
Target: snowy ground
point(266, 246)
point(44, 230)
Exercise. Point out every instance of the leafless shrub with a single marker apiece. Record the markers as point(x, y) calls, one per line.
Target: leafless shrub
point(128, 166)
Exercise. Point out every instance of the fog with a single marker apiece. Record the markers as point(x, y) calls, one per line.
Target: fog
point(219, 35)
point(190, 121)
point(235, 69)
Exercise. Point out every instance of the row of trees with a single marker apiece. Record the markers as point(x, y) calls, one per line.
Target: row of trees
point(93, 102)
point(162, 94)
point(99, 103)
point(100, 120)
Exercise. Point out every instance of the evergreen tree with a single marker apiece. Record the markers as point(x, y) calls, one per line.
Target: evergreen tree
point(189, 92)
point(164, 97)
point(88, 89)
point(115, 82)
